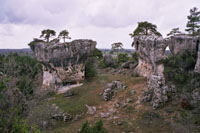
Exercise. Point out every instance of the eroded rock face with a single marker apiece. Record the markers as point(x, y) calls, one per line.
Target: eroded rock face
point(179, 44)
point(63, 63)
point(157, 92)
point(151, 54)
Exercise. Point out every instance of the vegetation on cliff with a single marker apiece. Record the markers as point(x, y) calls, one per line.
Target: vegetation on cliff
point(179, 70)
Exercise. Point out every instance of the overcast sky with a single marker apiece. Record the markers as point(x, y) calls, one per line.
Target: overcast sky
point(105, 21)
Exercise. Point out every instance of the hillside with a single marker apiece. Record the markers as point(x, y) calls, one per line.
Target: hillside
point(134, 117)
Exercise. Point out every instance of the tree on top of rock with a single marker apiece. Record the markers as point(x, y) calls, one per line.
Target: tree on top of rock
point(116, 47)
point(46, 34)
point(174, 32)
point(145, 28)
point(193, 24)
point(64, 34)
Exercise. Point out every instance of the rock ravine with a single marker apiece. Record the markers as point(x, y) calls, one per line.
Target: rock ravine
point(63, 63)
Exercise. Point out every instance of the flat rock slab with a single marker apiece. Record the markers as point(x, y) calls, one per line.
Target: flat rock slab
point(67, 88)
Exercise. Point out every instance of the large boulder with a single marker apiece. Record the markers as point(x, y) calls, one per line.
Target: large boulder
point(181, 43)
point(127, 64)
point(150, 50)
point(112, 88)
point(109, 61)
point(63, 63)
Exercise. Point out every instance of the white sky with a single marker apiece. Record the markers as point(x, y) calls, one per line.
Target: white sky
point(105, 21)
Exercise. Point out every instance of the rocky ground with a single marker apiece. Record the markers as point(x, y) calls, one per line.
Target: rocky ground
point(123, 111)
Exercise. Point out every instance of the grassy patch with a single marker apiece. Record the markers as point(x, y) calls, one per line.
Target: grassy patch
point(152, 122)
point(87, 94)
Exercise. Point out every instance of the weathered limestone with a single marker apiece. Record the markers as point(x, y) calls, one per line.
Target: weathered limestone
point(157, 91)
point(63, 63)
point(108, 61)
point(112, 88)
point(151, 54)
point(181, 43)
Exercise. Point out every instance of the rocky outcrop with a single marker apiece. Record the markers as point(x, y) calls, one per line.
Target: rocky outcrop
point(181, 43)
point(63, 63)
point(157, 92)
point(111, 89)
point(91, 109)
point(151, 54)
point(58, 114)
point(129, 64)
point(108, 61)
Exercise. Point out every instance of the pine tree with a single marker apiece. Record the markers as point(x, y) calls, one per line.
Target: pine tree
point(145, 28)
point(47, 34)
point(64, 34)
point(174, 32)
point(116, 47)
point(193, 23)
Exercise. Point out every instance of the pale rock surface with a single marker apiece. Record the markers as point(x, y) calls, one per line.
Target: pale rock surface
point(59, 114)
point(151, 54)
point(63, 63)
point(109, 61)
point(91, 109)
point(157, 92)
point(111, 89)
point(181, 43)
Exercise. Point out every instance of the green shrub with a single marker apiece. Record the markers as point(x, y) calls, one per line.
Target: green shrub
point(97, 54)
point(2, 87)
point(24, 87)
point(85, 128)
point(178, 70)
point(134, 57)
point(23, 69)
point(122, 57)
point(90, 70)
point(97, 128)
point(20, 126)
point(101, 64)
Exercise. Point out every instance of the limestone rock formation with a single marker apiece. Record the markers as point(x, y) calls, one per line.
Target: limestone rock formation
point(109, 61)
point(181, 43)
point(111, 89)
point(157, 92)
point(59, 114)
point(91, 109)
point(151, 54)
point(63, 63)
